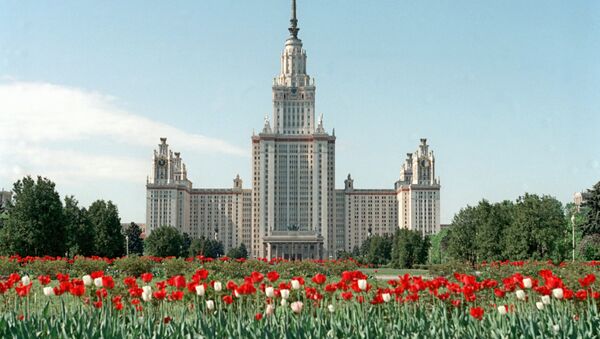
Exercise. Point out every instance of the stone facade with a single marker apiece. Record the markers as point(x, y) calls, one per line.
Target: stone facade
point(293, 209)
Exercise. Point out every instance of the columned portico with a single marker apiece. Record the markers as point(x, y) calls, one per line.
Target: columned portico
point(294, 245)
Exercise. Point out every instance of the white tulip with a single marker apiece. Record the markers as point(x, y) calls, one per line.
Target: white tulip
point(331, 308)
point(295, 284)
point(48, 291)
point(284, 293)
point(200, 290)
point(502, 310)
point(546, 299)
point(147, 296)
point(539, 305)
point(236, 294)
point(558, 293)
point(362, 284)
point(210, 305)
point(283, 302)
point(520, 294)
point(218, 286)
point(556, 328)
point(87, 280)
point(527, 283)
point(297, 306)
point(98, 282)
point(270, 292)
point(25, 280)
point(386, 297)
point(147, 289)
point(270, 309)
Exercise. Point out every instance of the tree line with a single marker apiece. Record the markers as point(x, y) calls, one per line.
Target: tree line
point(36, 223)
point(532, 227)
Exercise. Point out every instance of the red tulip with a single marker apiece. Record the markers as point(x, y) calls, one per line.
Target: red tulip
point(108, 282)
point(581, 294)
point(256, 277)
point(476, 312)
point(44, 279)
point(130, 282)
point(587, 280)
point(272, 276)
point(319, 279)
point(227, 299)
point(160, 294)
point(147, 277)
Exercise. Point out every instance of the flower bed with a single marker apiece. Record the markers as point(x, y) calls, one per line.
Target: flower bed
point(209, 302)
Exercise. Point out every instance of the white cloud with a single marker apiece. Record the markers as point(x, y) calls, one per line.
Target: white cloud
point(37, 120)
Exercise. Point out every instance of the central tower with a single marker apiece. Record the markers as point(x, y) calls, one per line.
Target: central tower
point(293, 167)
point(293, 89)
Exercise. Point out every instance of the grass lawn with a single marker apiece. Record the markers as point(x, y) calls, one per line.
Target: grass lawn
point(386, 271)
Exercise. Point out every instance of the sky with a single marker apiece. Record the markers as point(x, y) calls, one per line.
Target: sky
point(506, 92)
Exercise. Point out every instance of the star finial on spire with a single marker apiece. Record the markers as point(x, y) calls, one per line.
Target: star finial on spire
point(293, 21)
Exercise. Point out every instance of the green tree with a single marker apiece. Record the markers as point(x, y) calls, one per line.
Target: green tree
point(379, 249)
point(592, 205)
point(538, 229)
point(462, 234)
point(491, 221)
point(438, 251)
point(133, 232)
point(186, 242)
point(409, 249)
point(238, 252)
point(165, 241)
point(36, 223)
point(109, 240)
point(207, 247)
point(79, 231)
point(589, 247)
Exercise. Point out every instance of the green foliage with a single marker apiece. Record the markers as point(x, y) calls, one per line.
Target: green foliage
point(46, 267)
point(238, 252)
point(35, 224)
point(79, 230)
point(592, 204)
point(536, 232)
point(176, 266)
point(207, 247)
point(462, 235)
point(133, 265)
point(8, 266)
point(533, 227)
point(134, 241)
point(82, 266)
point(438, 252)
point(409, 249)
point(109, 240)
point(186, 242)
point(589, 247)
point(379, 250)
point(164, 241)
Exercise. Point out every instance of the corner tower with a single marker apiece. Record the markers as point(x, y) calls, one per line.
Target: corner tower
point(293, 167)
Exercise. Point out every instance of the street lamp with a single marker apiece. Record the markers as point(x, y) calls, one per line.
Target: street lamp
point(575, 210)
point(127, 244)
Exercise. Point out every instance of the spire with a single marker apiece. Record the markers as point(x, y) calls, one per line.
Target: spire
point(293, 21)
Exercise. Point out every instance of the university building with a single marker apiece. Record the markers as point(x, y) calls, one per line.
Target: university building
point(292, 209)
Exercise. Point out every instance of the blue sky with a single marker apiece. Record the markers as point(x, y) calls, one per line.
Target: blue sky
point(507, 92)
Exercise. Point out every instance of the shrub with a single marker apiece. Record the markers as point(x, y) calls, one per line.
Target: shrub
point(175, 266)
point(46, 267)
point(8, 266)
point(133, 265)
point(82, 266)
